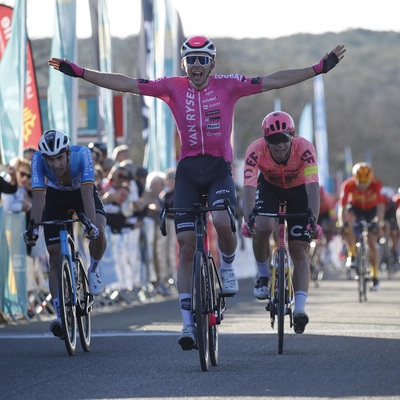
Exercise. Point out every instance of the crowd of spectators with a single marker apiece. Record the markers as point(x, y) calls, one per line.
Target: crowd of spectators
point(132, 200)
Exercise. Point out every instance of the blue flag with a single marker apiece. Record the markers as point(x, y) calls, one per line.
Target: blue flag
point(12, 86)
point(160, 39)
point(321, 136)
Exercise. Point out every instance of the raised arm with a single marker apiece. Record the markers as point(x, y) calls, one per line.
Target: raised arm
point(281, 79)
point(108, 80)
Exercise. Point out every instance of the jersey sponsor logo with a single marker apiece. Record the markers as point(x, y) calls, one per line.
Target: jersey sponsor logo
point(296, 231)
point(252, 159)
point(207, 106)
point(308, 156)
point(213, 126)
point(231, 76)
point(143, 81)
point(185, 225)
point(223, 191)
point(213, 134)
point(255, 81)
point(214, 98)
point(213, 119)
point(212, 112)
point(191, 116)
point(35, 178)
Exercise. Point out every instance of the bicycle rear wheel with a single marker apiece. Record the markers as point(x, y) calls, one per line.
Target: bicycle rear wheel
point(281, 299)
point(84, 306)
point(213, 323)
point(67, 306)
point(200, 309)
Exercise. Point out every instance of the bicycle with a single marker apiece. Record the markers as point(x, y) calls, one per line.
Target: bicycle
point(281, 296)
point(76, 302)
point(362, 264)
point(208, 302)
point(386, 251)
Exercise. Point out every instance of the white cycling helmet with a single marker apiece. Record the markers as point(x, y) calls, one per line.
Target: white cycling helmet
point(198, 44)
point(53, 142)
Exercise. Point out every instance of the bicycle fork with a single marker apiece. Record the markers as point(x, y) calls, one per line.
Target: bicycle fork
point(272, 305)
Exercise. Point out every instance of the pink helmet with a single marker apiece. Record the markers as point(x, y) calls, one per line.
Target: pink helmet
point(198, 44)
point(278, 122)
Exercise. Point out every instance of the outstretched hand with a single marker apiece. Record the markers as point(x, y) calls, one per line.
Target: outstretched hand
point(66, 67)
point(330, 60)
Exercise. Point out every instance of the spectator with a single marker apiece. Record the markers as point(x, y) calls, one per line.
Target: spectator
point(8, 181)
point(120, 153)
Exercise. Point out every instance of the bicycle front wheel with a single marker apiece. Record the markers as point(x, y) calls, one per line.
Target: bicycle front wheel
point(213, 323)
point(362, 267)
point(67, 306)
point(84, 306)
point(200, 309)
point(281, 299)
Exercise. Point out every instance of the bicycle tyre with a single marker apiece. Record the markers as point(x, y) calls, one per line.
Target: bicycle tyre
point(281, 299)
point(213, 324)
point(200, 309)
point(67, 306)
point(83, 305)
point(362, 260)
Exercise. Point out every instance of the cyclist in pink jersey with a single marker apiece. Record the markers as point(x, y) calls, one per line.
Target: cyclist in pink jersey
point(281, 166)
point(202, 104)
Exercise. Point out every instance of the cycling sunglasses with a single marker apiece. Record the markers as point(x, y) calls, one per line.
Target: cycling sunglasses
point(23, 174)
point(203, 60)
point(282, 137)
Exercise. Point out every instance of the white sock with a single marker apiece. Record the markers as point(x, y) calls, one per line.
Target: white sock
point(263, 269)
point(300, 298)
point(185, 301)
point(227, 261)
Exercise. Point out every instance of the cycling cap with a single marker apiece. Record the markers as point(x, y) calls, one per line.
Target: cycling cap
point(363, 174)
point(278, 122)
point(198, 44)
point(53, 142)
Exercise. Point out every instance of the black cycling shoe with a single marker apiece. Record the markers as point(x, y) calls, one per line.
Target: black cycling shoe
point(300, 322)
point(56, 329)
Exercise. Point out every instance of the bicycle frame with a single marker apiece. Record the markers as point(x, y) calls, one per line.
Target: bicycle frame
point(71, 279)
point(363, 268)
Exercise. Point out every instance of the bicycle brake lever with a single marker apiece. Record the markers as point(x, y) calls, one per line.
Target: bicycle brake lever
point(162, 220)
point(227, 205)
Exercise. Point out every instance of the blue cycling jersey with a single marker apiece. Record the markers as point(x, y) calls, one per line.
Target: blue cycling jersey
point(81, 167)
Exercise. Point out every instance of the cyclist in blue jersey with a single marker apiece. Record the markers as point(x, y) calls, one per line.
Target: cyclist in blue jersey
point(63, 180)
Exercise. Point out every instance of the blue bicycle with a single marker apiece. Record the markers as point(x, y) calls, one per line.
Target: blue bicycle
point(76, 302)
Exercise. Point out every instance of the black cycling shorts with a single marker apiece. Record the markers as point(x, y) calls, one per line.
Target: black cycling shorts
point(199, 176)
point(369, 216)
point(59, 203)
point(267, 201)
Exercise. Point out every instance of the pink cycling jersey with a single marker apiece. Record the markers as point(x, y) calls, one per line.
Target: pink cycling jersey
point(203, 117)
point(301, 167)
